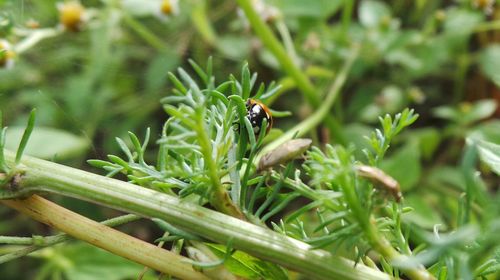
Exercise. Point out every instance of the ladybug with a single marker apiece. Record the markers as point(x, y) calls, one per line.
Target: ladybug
point(257, 112)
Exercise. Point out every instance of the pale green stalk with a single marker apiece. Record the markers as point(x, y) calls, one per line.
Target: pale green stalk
point(487, 26)
point(39, 176)
point(38, 243)
point(34, 37)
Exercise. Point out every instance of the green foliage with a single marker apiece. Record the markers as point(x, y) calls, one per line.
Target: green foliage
point(174, 233)
point(467, 114)
point(8, 172)
point(436, 56)
point(48, 143)
point(371, 13)
point(82, 261)
point(490, 155)
point(26, 136)
point(248, 267)
point(3, 132)
point(209, 126)
point(488, 65)
point(197, 146)
point(380, 140)
point(404, 166)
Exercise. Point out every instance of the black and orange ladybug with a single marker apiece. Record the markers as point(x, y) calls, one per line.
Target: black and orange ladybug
point(257, 112)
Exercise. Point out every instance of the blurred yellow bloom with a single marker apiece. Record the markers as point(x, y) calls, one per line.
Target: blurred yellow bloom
point(485, 5)
point(71, 15)
point(6, 55)
point(169, 7)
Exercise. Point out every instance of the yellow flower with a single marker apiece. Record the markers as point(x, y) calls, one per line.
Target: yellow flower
point(71, 15)
point(168, 8)
point(485, 5)
point(6, 55)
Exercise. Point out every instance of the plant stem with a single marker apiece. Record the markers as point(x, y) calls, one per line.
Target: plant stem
point(287, 41)
point(43, 176)
point(378, 242)
point(56, 239)
point(346, 17)
point(287, 64)
point(105, 237)
point(220, 197)
point(14, 240)
point(487, 26)
point(463, 63)
point(34, 37)
point(313, 120)
point(272, 43)
point(384, 248)
point(145, 33)
point(202, 23)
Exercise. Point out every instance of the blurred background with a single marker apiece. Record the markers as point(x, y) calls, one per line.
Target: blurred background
point(97, 69)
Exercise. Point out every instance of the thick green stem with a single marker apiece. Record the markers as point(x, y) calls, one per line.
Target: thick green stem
point(43, 176)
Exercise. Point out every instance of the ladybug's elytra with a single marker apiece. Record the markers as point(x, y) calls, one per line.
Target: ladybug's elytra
point(257, 112)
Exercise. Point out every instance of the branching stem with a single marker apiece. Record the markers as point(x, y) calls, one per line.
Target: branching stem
point(43, 176)
point(37, 244)
point(220, 197)
point(105, 237)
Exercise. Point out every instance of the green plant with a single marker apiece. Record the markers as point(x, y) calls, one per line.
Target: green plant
point(201, 145)
point(414, 203)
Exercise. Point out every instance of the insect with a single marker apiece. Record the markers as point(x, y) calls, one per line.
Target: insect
point(257, 112)
point(381, 179)
point(284, 153)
